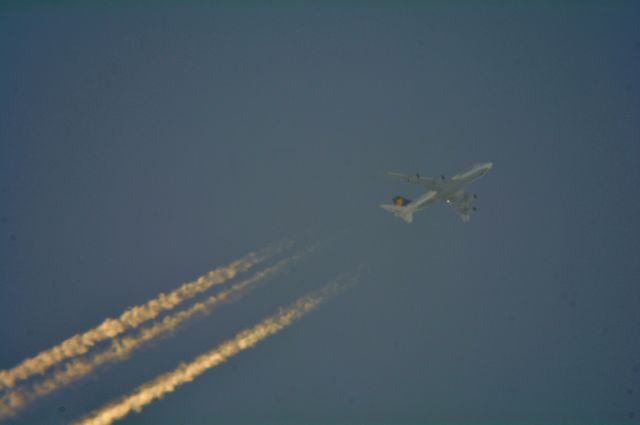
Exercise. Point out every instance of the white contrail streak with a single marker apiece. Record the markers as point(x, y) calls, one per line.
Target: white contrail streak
point(131, 318)
point(121, 349)
point(187, 372)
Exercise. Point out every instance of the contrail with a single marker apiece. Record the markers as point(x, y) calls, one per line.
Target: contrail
point(132, 318)
point(187, 372)
point(19, 398)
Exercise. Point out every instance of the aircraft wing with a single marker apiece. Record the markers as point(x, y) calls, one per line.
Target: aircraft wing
point(462, 203)
point(430, 183)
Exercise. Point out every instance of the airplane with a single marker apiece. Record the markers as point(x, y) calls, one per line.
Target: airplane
point(451, 191)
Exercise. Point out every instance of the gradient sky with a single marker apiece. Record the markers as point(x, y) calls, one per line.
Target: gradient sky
point(141, 146)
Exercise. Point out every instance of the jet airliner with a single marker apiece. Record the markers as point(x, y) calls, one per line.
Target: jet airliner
point(450, 191)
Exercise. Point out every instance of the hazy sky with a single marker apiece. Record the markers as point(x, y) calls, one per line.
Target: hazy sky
point(141, 146)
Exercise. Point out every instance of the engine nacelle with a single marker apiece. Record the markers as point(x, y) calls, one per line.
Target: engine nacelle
point(467, 198)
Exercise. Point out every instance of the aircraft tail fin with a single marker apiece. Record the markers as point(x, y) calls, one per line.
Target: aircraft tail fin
point(404, 213)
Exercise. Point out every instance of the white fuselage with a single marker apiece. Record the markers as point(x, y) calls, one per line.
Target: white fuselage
point(451, 188)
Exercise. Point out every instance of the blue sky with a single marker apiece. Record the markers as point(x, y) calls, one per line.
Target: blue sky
point(142, 146)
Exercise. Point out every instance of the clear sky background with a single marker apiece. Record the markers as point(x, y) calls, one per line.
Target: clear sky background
point(141, 146)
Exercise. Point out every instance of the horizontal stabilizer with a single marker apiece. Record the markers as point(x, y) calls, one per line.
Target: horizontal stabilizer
point(404, 213)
